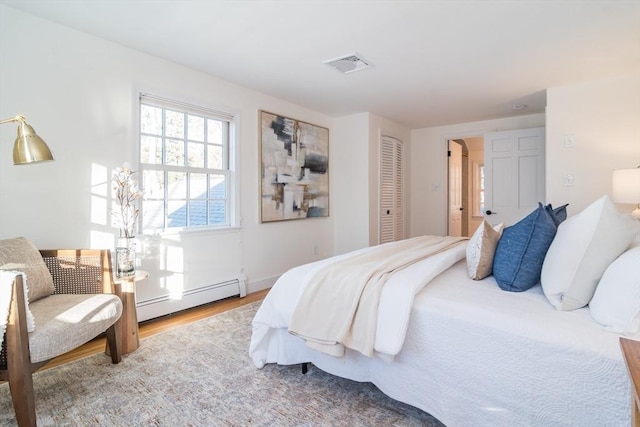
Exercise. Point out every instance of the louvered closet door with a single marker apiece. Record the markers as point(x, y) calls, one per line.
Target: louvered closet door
point(391, 190)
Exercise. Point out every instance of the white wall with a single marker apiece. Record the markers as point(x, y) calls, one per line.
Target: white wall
point(80, 94)
point(355, 180)
point(350, 182)
point(604, 117)
point(428, 168)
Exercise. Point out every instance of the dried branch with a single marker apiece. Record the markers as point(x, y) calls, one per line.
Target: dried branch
point(126, 193)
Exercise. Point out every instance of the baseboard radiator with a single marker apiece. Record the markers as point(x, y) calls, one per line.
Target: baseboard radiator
point(163, 305)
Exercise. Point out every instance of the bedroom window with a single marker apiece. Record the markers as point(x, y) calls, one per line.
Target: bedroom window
point(186, 166)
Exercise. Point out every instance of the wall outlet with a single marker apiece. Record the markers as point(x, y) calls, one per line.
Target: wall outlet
point(568, 180)
point(316, 251)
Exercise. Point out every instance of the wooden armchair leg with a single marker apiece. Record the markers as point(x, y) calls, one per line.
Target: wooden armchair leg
point(113, 342)
point(19, 367)
point(23, 399)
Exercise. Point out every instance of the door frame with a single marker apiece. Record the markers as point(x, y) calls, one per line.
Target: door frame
point(463, 186)
point(444, 172)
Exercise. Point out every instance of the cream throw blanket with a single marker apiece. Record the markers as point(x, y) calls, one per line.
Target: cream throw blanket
point(6, 282)
point(339, 307)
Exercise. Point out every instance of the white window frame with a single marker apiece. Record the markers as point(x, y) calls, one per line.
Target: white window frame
point(229, 170)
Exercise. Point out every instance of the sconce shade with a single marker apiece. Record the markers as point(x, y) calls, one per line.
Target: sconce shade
point(29, 147)
point(626, 186)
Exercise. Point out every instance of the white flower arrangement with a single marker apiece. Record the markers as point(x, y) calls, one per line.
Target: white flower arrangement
point(126, 193)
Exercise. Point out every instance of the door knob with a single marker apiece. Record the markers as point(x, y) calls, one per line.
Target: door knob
point(488, 212)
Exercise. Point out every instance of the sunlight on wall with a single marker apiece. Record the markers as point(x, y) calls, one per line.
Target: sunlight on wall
point(99, 181)
point(101, 232)
point(180, 265)
point(98, 210)
point(101, 240)
point(173, 261)
point(175, 286)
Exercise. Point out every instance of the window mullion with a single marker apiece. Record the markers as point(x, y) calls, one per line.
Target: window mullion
point(165, 201)
point(225, 145)
point(209, 183)
point(185, 148)
point(206, 144)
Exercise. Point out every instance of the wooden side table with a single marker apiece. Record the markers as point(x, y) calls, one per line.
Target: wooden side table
point(126, 290)
point(631, 352)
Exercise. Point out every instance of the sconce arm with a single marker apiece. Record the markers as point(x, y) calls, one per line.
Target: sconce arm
point(17, 118)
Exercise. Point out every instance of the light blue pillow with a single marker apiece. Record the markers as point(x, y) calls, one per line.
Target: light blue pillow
point(517, 263)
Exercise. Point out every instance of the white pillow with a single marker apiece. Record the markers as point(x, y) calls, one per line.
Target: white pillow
point(582, 249)
point(616, 303)
point(481, 248)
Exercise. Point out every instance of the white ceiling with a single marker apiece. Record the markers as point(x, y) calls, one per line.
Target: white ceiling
point(435, 62)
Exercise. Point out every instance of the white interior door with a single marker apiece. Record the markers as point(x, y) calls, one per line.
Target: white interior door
point(391, 190)
point(514, 174)
point(455, 189)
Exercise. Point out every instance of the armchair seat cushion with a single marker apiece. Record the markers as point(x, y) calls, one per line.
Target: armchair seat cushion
point(66, 321)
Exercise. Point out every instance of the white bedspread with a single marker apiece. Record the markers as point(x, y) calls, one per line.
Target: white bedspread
point(474, 355)
point(350, 288)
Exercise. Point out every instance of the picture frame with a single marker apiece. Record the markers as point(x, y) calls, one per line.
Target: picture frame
point(294, 169)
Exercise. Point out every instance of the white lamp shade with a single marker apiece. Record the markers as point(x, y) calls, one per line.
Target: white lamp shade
point(626, 186)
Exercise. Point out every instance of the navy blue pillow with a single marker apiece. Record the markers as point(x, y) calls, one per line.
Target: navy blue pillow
point(517, 263)
point(558, 214)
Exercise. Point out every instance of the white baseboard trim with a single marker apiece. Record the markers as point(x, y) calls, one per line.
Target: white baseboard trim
point(259, 285)
point(164, 305)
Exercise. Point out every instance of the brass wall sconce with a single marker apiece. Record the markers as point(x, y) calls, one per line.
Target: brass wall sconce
point(28, 147)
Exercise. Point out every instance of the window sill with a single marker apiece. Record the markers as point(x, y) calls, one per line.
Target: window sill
point(192, 231)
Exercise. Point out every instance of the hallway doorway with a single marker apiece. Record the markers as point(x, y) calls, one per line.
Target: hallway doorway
point(465, 163)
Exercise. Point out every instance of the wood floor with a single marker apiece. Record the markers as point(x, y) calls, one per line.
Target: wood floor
point(162, 324)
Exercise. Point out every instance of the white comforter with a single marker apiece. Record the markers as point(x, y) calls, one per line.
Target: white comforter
point(351, 289)
point(394, 308)
point(474, 355)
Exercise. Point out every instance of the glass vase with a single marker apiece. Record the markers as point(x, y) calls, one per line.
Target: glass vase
point(126, 257)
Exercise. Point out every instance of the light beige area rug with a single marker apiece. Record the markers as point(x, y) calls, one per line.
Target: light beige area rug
point(201, 375)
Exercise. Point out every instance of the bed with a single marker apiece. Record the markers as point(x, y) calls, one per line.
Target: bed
point(472, 353)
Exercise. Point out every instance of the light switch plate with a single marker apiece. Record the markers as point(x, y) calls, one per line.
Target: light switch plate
point(569, 141)
point(568, 180)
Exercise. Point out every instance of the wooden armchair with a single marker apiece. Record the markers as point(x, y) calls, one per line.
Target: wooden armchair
point(81, 307)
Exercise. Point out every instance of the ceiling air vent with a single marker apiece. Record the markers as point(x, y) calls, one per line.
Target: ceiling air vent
point(349, 63)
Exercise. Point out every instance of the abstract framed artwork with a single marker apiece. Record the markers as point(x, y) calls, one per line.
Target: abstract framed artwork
point(294, 169)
